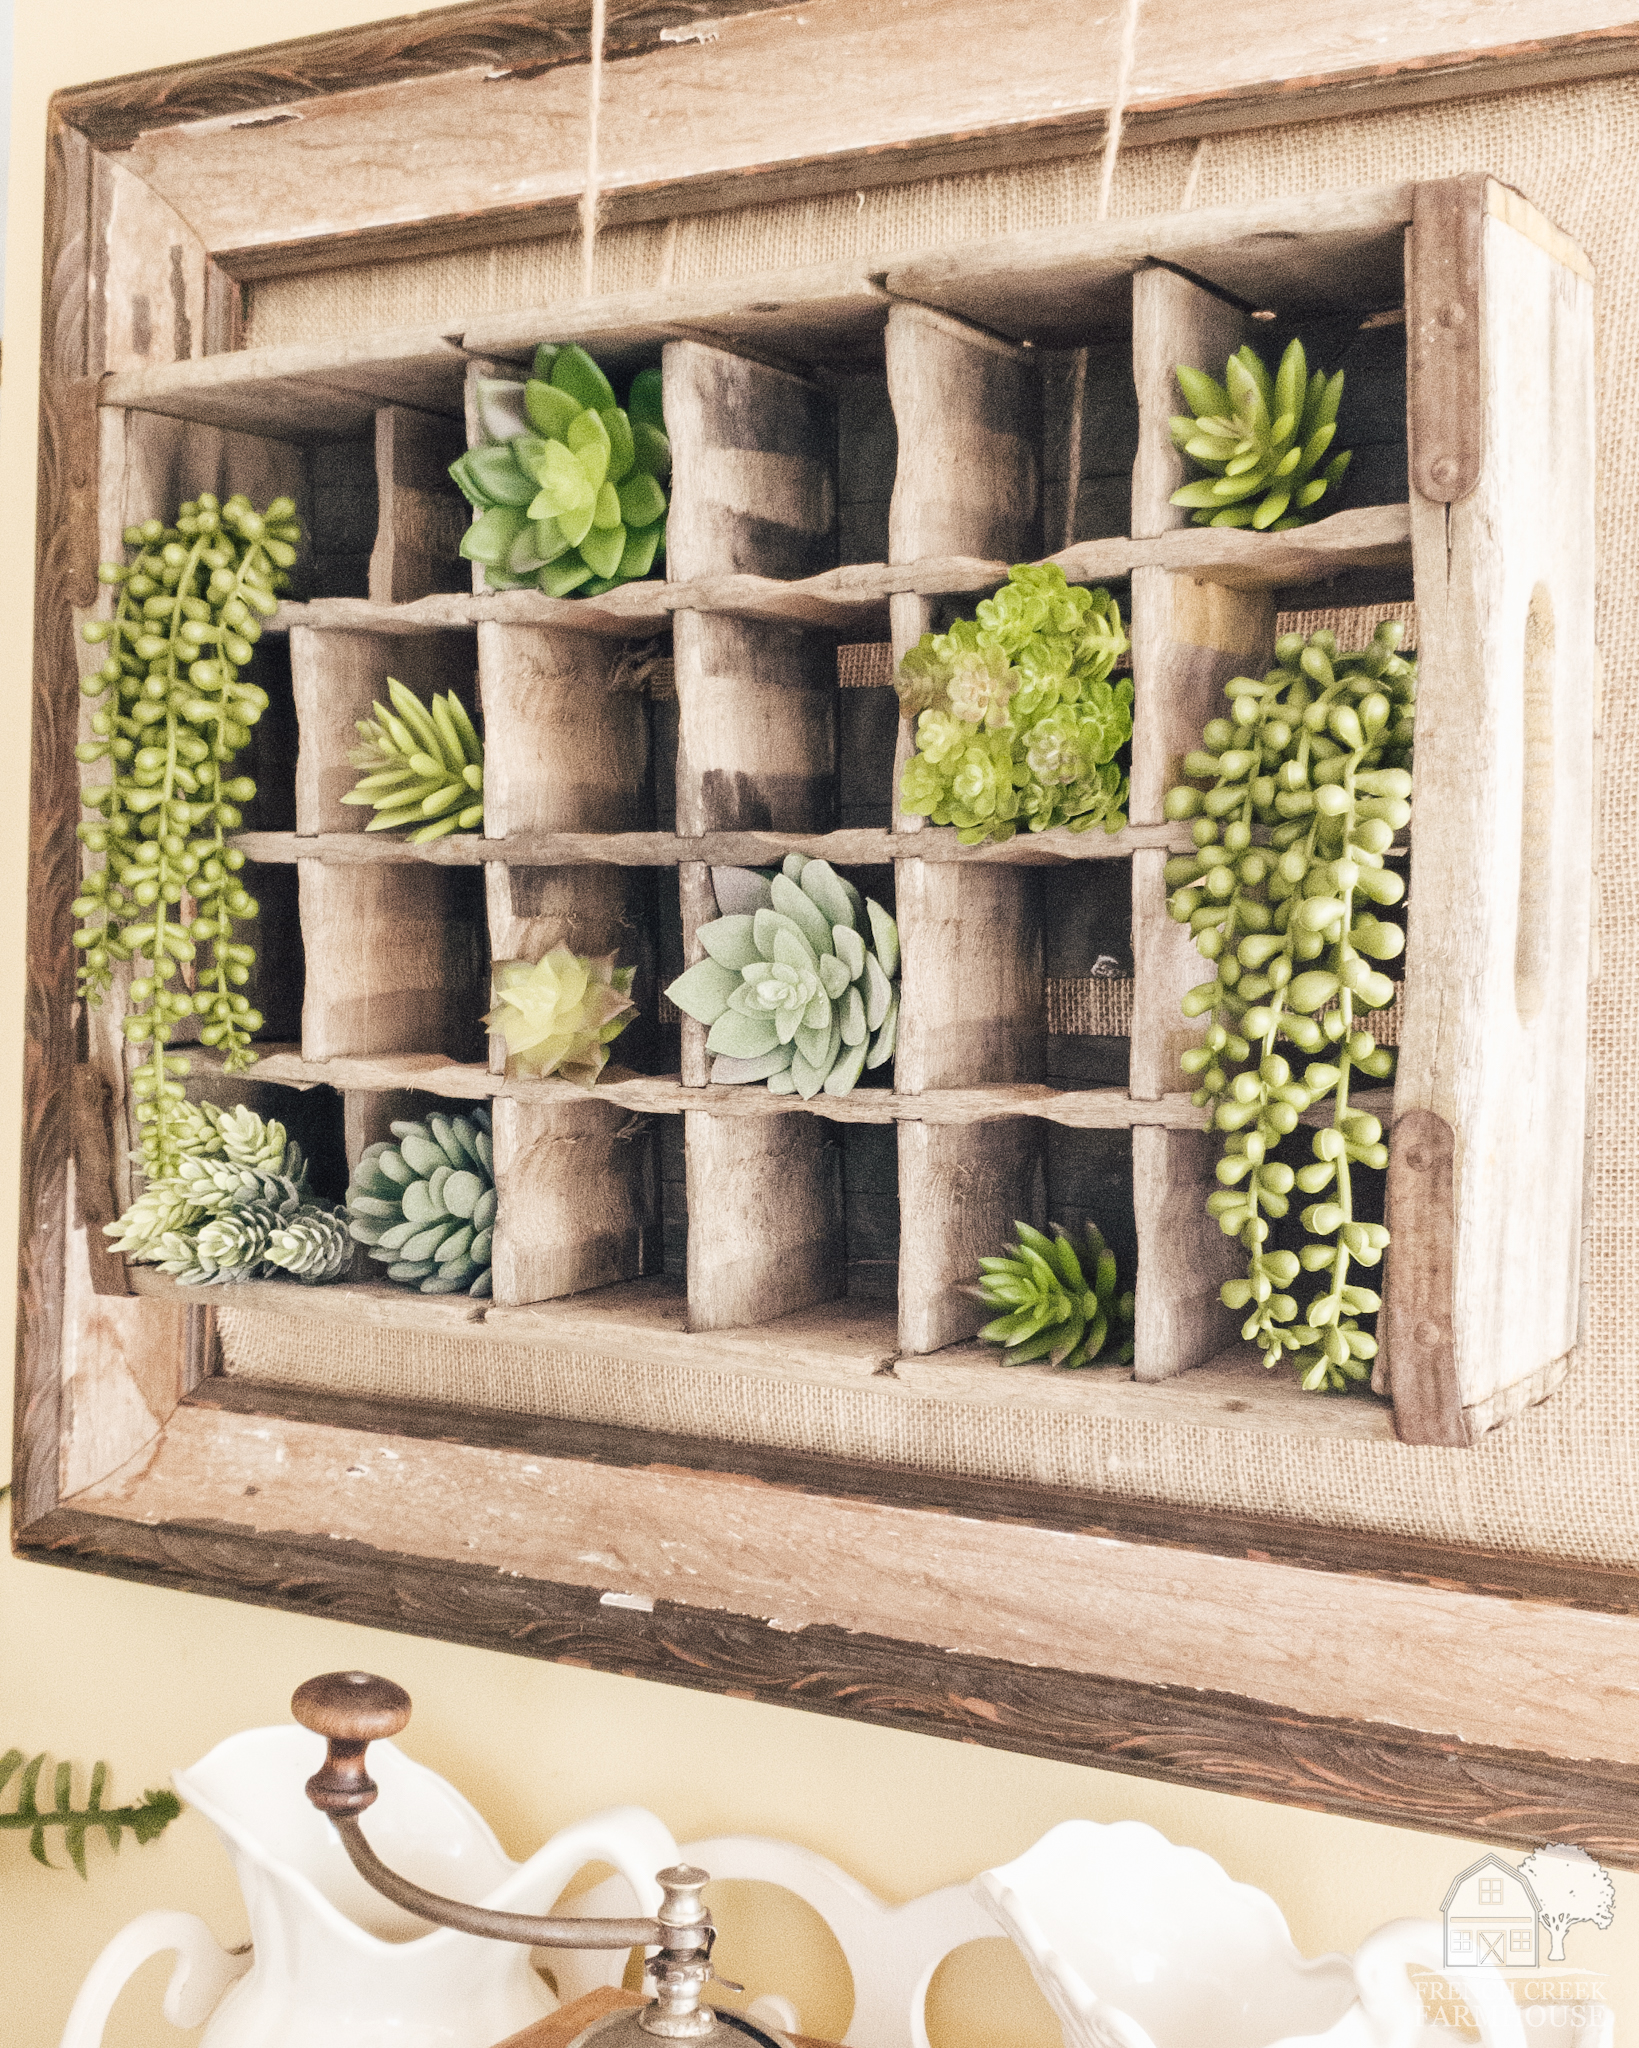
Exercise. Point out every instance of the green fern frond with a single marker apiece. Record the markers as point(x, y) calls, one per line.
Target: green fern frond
point(151, 1817)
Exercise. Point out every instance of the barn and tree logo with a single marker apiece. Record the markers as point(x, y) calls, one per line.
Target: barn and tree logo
point(1495, 1912)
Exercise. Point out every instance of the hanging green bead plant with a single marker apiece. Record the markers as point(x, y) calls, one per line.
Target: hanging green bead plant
point(1318, 755)
point(164, 884)
point(1261, 440)
point(568, 485)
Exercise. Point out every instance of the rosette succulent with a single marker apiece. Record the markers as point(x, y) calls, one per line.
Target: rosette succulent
point(1060, 1303)
point(236, 1207)
point(794, 991)
point(1260, 439)
point(425, 1204)
point(560, 1014)
point(1017, 722)
point(567, 484)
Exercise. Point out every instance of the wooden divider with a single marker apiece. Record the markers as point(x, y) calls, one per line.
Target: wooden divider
point(421, 520)
point(577, 1198)
point(396, 960)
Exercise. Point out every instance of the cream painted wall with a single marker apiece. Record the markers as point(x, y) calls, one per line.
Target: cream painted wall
point(91, 1667)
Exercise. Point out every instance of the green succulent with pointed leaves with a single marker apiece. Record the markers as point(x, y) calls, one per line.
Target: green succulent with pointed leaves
point(568, 486)
point(1060, 1302)
point(794, 991)
point(425, 1203)
point(1261, 440)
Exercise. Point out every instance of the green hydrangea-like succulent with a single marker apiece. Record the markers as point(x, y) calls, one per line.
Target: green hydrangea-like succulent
point(791, 990)
point(1052, 1309)
point(425, 1205)
point(1260, 439)
point(559, 1015)
point(237, 1207)
point(423, 766)
point(1017, 722)
point(568, 486)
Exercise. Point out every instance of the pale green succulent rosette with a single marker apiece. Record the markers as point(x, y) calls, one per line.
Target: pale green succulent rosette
point(800, 986)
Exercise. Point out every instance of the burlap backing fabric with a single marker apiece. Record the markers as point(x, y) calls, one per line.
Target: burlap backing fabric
point(1560, 1481)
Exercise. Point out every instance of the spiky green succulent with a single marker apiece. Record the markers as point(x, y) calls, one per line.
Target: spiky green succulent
point(1017, 722)
point(425, 1203)
point(1053, 1309)
point(1260, 439)
point(568, 486)
point(561, 1013)
point(236, 1207)
point(793, 992)
point(423, 766)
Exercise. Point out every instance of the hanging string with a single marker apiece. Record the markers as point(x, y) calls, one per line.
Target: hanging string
point(1118, 105)
point(1192, 184)
point(668, 254)
point(589, 195)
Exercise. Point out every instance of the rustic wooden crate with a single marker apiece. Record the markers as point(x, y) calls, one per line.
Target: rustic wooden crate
point(854, 464)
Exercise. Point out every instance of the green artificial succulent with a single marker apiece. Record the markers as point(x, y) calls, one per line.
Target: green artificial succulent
point(425, 1205)
point(1017, 722)
point(236, 1206)
point(793, 993)
point(568, 486)
point(1260, 440)
point(1052, 1309)
point(423, 766)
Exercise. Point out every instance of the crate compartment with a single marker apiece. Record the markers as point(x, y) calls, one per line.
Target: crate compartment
point(757, 726)
point(591, 909)
point(1090, 1180)
point(313, 1117)
point(868, 724)
point(577, 1198)
point(1089, 443)
point(870, 1210)
point(564, 750)
point(337, 677)
point(766, 1233)
point(341, 519)
point(973, 995)
point(867, 455)
point(397, 960)
point(961, 1187)
point(1183, 1257)
point(671, 1168)
point(420, 515)
point(1086, 911)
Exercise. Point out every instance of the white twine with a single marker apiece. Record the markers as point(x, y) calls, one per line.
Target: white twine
point(1192, 184)
point(1118, 105)
point(589, 197)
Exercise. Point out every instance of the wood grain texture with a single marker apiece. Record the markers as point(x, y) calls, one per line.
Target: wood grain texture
point(669, 147)
point(1173, 321)
point(395, 961)
point(960, 1193)
point(1445, 338)
point(757, 727)
point(1494, 1034)
point(1183, 1257)
point(1190, 635)
point(563, 751)
point(765, 1217)
point(1166, 967)
point(1441, 1662)
point(423, 518)
point(577, 1198)
point(973, 996)
point(855, 846)
point(337, 679)
point(1417, 1320)
point(149, 276)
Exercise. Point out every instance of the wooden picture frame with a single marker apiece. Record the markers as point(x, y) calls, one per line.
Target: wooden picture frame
point(1476, 1693)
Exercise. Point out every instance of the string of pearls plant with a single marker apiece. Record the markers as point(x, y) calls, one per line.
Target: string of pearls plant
point(1315, 760)
point(166, 883)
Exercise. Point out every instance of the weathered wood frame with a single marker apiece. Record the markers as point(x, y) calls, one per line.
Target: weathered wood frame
point(1474, 1693)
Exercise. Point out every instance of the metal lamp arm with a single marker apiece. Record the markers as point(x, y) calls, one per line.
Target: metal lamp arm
point(533, 1930)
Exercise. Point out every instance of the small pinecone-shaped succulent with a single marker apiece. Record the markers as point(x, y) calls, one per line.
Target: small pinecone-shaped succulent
point(1260, 439)
point(161, 1211)
point(793, 993)
point(425, 1205)
point(1053, 1310)
point(313, 1246)
point(246, 1140)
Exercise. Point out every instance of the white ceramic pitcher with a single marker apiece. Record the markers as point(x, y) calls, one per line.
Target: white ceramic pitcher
point(332, 1964)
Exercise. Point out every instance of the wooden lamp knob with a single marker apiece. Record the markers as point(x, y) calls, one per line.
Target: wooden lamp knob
point(350, 1709)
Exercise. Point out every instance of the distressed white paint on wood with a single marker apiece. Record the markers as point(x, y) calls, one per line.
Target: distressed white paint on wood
point(1494, 1037)
point(1458, 1664)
